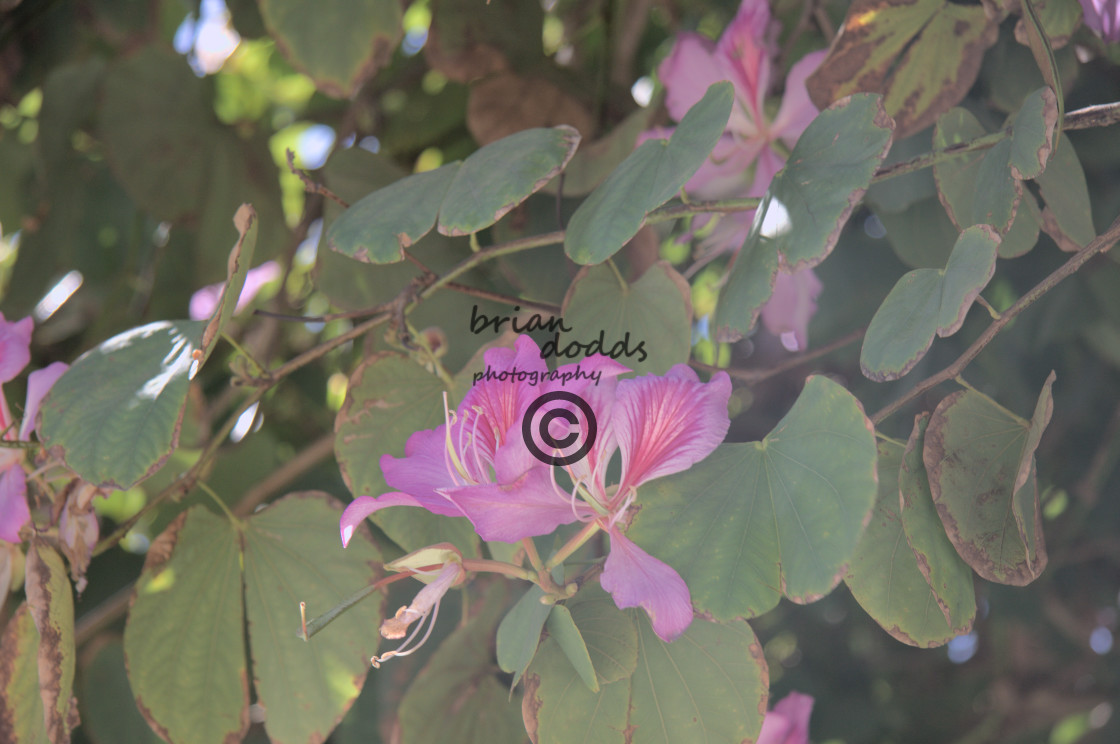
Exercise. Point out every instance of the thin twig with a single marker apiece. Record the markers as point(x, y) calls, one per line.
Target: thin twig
point(485, 294)
point(753, 376)
point(1100, 244)
point(312, 186)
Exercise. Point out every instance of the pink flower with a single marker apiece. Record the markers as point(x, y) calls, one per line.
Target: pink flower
point(205, 301)
point(744, 55)
point(788, 722)
point(423, 607)
point(1103, 16)
point(15, 342)
point(658, 425)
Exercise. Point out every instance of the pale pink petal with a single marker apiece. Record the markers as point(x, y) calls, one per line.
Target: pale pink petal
point(13, 503)
point(667, 424)
point(15, 346)
point(1103, 16)
point(363, 506)
point(526, 507)
point(788, 722)
point(768, 165)
point(797, 110)
point(788, 311)
point(205, 301)
point(746, 53)
point(726, 172)
point(39, 383)
point(688, 71)
point(635, 578)
point(424, 468)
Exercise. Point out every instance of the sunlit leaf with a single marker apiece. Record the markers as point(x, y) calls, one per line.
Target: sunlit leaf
point(928, 302)
point(649, 177)
point(184, 639)
point(758, 520)
point(114, 416)
point(292, 555)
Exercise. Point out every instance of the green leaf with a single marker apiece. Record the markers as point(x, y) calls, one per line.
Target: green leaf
point(567, 635)
point(1023, 235)
point(501, 175)
point(339, 44)
point(708, 685)
point(780, 516)
point(21, 707)
point(926, 302)
point(980, 461)
point(1068, 213)
point(594, 161)
point(808, 203)
point(388, 399)
point(240, 259)
point(1059, 19)
point(922, 235)
point(1032, 131)
point(884, 576)
point(948, 576)
point(114, 416)
point(377, 228)
point(649, 177)
point(645, 325)
point(184, 638)
point(51, 601)
point(109, 712)
point(292, 555)
point(457, 699)
point(519, 633)
point(608, 632)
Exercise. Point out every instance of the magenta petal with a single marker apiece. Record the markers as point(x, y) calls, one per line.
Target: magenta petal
point(744, 49)
point(525, 508)
point(39, 383)
point(667, 424)
point(688, 71)
point(788, 722)
point(15, 346)
point(423, 472)
point(635, 578)
point(13, 503)
point(1103, 16)
point(797, 110)
point(363, 506)
point(788, 311)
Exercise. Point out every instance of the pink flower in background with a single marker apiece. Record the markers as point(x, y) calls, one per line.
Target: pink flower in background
point(1103, 16)
point(478, 465)
point(15, 353)
point(788, 722)
point(744, 55)
point(205, 301)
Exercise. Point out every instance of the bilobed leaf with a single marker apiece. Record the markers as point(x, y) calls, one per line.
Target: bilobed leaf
point(184, 639)
point(389, 398)
point(114, 416)
point(378, 227)
point(980, 461)
point(780, 516)
point(649, 177)
point(519, 633)
point(808, 203)
point(339, 44)
point(457, 698)
point(948, 576)
point(21, 706)
point(1068, 213)
point(922, 55)
point(51, 602)
point(292, 555)
point(563, 629)
point(884, 575)
point(237, 267)
point(646, 325)
point(711, 684)
point(501, 175)
point(926, 302)
point(1032, 131)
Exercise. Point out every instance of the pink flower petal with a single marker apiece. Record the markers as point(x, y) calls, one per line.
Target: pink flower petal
point(205, 301)
point(667, 424)
point(744, 50)
point(635, 578)
point(39, 383)
point(1103, 16)
point(13, 503)
point(788, 722)
point(688, 71)
point(15, 346)
point(797, 110)
point(788, 311)
point(363, 506)
point(526, 507)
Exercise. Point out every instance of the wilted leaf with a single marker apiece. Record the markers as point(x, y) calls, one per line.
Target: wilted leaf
point(507, 103)
point(51, 603)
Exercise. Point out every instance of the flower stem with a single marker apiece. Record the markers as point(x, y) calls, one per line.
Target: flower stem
point(574, 544)
point(498, 567)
